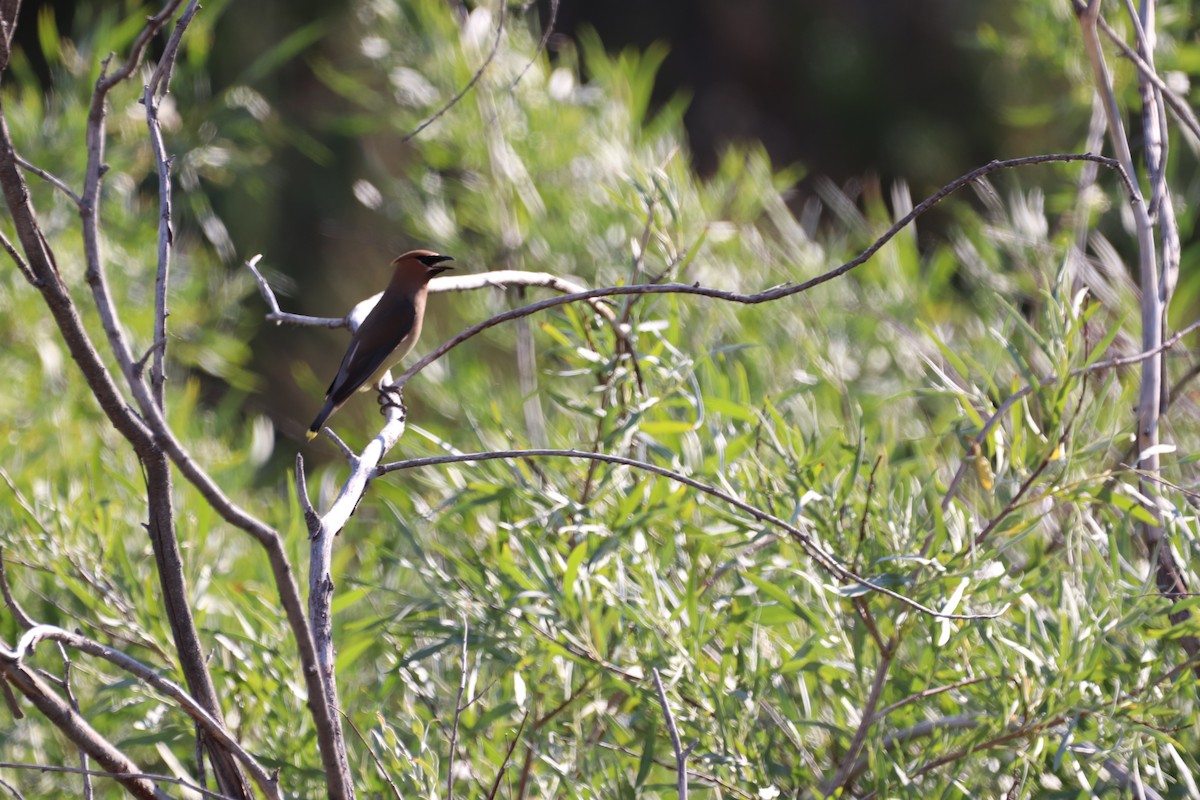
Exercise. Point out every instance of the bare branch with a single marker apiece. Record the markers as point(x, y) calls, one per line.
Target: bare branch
point(54, 180)
point(149, 676)
point(774, 293)
point(1150, 397)
point(681, 770)
point(77, 729)
point(153, 25)
point(10, 10)
point(825, 560)
point(1183, 111)
point(89, 205)
point(311, 518)
point(508, 278)
point(507, 757)
point(844, 772)
point(342, 447)
point(22, 267)
point(155, 90)
point(322, 531)
point(499, 279)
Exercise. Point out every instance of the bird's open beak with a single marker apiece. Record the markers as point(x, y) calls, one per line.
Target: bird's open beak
point(435, 264)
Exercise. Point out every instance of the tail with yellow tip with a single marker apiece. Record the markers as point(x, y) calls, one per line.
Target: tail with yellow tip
point(315, 428)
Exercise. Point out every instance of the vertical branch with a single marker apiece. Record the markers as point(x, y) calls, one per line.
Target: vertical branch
point(9, 9)
point(155, 90)
point(887, 653)
point(321, 531)
point(1156, 293)
point(1169, 578)
point(165, 544)
point(681, 781)
point(89, 792)
point(458, 709)
point(1152, 312)
point(1157, 137)
point(163, 535)
point(89, 206)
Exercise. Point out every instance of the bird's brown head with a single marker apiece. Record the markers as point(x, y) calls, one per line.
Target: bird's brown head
point(417, 267)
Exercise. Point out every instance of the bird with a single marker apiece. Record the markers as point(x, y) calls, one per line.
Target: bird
point(387, 334)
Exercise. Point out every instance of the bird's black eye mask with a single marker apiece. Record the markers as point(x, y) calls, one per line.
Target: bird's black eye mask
point(434, 260)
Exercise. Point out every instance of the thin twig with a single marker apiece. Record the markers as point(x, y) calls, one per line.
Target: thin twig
point(84, 761)
point(681, 770)
point(155, 90)
point(926, 693)
point(470, 84)
point(864, 613)
point(862, 523)
point(507, 757)
point(50, 178)
point(17, 794)
point(311, 518)
point(825, 560)
point(279, 317)
point(546, 34)
point(22, 267)
point(374, 756)
point(458, 708)
point(153, 25)
point(22, 619)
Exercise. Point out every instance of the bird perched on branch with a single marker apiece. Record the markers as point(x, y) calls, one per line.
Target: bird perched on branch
point(387, 334)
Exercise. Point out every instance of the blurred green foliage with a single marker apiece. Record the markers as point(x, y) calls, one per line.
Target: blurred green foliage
point(845, 411)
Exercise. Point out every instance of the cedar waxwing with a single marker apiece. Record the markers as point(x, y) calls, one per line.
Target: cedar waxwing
point(387, 334)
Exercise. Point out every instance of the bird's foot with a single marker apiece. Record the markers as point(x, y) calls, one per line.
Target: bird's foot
point(390, 397)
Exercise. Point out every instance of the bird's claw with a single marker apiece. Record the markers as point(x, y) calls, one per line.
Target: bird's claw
point(390, 397)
